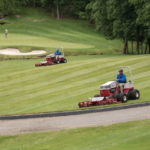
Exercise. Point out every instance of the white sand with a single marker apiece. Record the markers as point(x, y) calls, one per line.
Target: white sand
point(14, 51)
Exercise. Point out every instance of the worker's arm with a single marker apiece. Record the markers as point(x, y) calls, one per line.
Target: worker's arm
point(118, 77)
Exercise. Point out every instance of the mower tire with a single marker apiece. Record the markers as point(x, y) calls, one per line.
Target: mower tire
point(134, 94)
point(65, 60)
point(57, 62)
point(122, 97)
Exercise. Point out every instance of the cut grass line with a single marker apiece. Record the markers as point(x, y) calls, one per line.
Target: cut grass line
point(75, 73)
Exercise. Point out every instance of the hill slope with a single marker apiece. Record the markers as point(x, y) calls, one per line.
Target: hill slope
point(34, 28)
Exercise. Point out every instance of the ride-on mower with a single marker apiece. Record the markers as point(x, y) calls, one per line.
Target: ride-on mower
point(110, 93)
point(53, 59)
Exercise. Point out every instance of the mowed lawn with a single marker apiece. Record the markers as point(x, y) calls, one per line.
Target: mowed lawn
point(125, 136)
point(25, 88)
point(36, 29)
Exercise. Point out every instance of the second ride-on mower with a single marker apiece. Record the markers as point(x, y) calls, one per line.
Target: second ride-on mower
point(110, 93)
point(53, 59)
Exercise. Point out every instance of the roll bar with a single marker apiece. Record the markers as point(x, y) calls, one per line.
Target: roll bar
point(62, 51)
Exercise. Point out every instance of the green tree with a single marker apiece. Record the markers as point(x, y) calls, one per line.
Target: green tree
point(8, 7)
point(128, 20)
point(100, 16)
point(142, 9)
point(65, 8)
point(111, 18)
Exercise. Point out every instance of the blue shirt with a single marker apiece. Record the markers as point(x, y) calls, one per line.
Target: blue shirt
point(121, 78)
point(57, 52)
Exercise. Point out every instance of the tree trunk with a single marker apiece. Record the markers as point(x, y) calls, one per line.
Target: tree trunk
point(127, 51)
point(149, 45)
point(137, 46)
point(61, 15)
point(132, 47)
point(146, 48)
point(125, 46)
point(141, 47)
point(91, 21)
point(58, 13)
point(34, 3)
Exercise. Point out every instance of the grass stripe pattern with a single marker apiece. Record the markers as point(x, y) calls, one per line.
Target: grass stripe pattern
point(27, 89)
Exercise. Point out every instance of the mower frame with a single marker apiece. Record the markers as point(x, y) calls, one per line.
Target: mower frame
point(110, 92)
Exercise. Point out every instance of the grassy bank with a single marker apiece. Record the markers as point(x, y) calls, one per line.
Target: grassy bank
point(27, 89)
point(36, 29)
point(126, 136)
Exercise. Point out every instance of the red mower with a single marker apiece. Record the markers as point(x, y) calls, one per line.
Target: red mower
point(110, 93)
point(53, 59)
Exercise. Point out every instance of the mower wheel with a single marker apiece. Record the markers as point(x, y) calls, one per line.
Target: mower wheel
point(122, 97)
point(97, 95)
point(57, 62)
point(134, 94)
point(65, 60)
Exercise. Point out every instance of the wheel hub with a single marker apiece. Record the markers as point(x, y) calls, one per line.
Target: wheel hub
point(137, 94)
point(125, 98)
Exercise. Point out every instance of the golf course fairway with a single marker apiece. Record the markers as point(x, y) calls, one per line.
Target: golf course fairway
point(26, 89)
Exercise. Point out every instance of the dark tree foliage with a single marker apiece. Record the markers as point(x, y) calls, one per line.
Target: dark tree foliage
point(125, 19)
point(100, 15)
point(142, 9)
point(59, 8)
point(8, 7)
point(71, 8)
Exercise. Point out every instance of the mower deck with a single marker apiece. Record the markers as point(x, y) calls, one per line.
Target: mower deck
point(45, 64)
point(98, 103)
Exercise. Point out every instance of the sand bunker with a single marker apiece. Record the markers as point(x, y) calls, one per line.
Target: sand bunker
point(13, 51)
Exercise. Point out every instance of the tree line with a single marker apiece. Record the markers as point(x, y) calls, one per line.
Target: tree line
point(128, 20)
point(58, 8)
point(125, 19)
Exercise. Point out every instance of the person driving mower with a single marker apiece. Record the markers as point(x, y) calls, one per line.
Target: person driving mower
point(121, 78)
point(57, 52)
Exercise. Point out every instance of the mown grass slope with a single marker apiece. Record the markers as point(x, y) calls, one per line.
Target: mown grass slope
point(126, 136)
point(36, 29)
point(28, 89)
